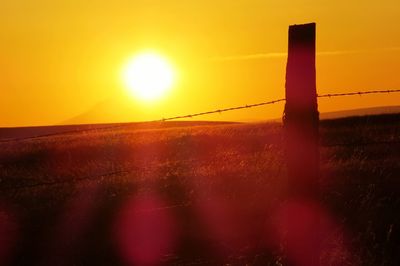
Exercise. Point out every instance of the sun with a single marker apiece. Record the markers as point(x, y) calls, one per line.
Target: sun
point(148, 76)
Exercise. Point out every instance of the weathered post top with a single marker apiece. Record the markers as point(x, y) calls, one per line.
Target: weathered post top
point(300, 72)
point(302, 33)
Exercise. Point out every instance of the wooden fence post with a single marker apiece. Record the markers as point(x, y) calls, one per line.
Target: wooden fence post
point(301, 117)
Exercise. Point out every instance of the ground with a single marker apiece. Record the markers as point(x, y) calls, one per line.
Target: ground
point(206, 194)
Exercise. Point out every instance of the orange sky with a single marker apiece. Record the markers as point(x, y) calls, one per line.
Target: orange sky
point(60, 61)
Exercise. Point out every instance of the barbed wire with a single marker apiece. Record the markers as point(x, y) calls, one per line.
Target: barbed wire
point(330, 95)
point(247, 106)
point(220, 110)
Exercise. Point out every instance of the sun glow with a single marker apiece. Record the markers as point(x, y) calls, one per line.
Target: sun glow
point(148, 76)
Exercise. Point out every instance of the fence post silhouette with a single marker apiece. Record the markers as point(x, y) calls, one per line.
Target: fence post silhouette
point(301, 119)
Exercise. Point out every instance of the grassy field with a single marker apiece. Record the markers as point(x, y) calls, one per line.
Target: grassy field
point(211, 194)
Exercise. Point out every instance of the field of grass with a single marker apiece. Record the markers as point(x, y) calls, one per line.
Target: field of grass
point(210, 194)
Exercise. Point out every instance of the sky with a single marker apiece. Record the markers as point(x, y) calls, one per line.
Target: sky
point(61, 61)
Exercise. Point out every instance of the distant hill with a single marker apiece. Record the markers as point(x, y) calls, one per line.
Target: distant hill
point(27, 132)
point(12, 133)
point(361, 112)
point(104, 112)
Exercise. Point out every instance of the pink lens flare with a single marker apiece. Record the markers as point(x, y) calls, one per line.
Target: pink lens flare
point(145, 231)
point(8, 235)
point(225, 224)
point(308, 235)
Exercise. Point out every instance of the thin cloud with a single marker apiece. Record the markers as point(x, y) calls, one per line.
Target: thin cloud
point(362, 51)
point(284, 54)
point(249, 56)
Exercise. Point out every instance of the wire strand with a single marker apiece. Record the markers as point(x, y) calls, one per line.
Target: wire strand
point(220, 110)
point(247, 106)
point(329, 95)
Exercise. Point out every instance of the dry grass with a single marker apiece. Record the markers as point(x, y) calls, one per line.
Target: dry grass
point(82, 181)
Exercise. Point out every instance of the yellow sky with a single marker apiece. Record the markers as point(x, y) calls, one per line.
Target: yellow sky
point(61, 59)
